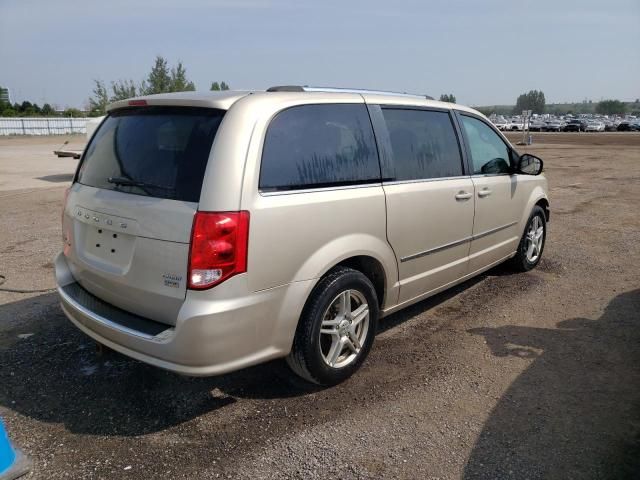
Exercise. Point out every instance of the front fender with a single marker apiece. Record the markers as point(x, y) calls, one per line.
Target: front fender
point(538, 193)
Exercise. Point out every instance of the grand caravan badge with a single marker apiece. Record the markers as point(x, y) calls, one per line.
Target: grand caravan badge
point(171, 280)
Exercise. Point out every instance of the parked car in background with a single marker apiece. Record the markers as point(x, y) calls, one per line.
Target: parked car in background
point(536, 125)
point(501, 123)
point(594, 127)
point(628, 127)
point(186, 235)
point(515, 125)
point(553, 126)
point(575, 125)
point(610, 127)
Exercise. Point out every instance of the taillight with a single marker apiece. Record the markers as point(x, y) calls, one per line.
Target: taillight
point(219, 242)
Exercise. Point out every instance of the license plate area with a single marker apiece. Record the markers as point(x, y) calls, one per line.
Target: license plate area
point(112, 247)
point(103, 241)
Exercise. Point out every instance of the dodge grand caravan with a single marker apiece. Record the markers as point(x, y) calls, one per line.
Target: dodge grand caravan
point(204, 233)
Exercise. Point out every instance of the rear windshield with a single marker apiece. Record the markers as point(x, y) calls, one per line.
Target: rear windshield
point(153, 151)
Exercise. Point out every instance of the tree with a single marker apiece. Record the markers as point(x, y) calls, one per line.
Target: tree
point(448, 98)
point(122, 89)
point(48, 110)
point(73, 112)
point(159, 79)
point(27, 109)
point(216, 87)
point(486, 111)
point(532, 100)
point(100, 99)
point(610, 107)
point(179, 81)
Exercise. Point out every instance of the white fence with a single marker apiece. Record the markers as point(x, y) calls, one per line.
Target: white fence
point(42, 125)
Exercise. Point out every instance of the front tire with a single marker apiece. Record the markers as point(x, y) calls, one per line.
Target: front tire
point(532, 242)
point(336, 329)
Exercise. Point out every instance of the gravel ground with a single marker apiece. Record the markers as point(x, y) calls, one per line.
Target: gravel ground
point(532, 375)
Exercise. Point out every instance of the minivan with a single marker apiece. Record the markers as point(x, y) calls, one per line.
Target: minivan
point(204, 233)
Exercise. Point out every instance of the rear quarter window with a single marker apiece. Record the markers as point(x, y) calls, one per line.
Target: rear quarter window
point(313, 146)
point(162, 150)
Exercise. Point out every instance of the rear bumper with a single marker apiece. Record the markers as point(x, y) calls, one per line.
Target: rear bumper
point(211, 336)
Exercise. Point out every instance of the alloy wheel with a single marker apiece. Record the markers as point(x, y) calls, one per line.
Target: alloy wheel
point(344, 328)
point(534, 239)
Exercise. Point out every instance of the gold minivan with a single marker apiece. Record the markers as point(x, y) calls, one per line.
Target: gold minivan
point(204, 233)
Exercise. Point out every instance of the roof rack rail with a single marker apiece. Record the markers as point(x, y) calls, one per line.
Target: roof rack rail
point(306, 88)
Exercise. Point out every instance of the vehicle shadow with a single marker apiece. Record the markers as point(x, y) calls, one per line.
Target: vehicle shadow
point(51, 372)
point(408, 313)
point(57, 178)
point(575, 411)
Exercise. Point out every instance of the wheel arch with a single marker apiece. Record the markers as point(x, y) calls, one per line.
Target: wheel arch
point(537, 197)
point(373, 257)
point(371, 268)
point(544, 204)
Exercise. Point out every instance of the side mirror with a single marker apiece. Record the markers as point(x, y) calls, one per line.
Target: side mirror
point(529, 165)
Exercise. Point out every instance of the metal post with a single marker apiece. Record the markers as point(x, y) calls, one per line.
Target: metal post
point(526, 116)
point(48, 127)
point(24, 132)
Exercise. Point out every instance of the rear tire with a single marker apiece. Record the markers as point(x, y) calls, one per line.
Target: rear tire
point(336, 329)
point(532, 242)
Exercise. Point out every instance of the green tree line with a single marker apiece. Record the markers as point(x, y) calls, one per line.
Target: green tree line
point(28, 109)
point(534, 100)
point(162, 79)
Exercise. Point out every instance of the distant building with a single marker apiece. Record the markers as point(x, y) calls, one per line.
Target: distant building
point(4, 95)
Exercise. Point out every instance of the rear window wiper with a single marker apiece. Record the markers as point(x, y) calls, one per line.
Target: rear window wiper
point(128, 182)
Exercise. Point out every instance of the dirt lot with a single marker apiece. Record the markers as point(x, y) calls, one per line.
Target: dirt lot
point(519, 376)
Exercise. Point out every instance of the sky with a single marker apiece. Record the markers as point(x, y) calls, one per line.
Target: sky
point(484, 52)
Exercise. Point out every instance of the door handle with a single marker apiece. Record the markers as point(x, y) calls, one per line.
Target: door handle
point(462, 195)
point(485, 192)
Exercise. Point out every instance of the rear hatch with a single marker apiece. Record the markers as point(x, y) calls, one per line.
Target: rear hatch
point(128, 217)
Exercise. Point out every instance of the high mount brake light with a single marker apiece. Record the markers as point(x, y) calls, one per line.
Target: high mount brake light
point(219, 244)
